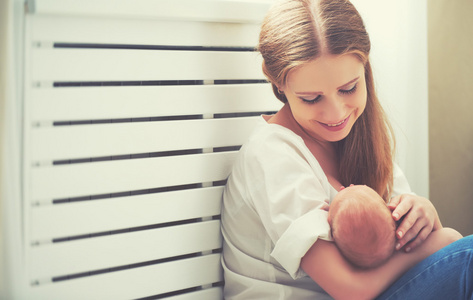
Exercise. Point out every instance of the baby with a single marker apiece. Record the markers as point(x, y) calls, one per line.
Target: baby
point(362, 226)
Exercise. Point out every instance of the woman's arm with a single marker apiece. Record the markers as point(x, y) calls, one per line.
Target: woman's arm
point(326, 266)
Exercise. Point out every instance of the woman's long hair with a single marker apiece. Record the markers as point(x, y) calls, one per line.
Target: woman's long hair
point(296, 32)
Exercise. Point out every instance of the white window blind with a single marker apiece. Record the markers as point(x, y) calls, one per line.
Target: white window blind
point(133, 114)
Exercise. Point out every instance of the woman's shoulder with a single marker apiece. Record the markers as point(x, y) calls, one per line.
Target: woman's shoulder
point(277, 148)
point(273, 138)
point(273, 154)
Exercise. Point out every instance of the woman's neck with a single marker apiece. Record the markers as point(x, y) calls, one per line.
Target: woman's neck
point(285, 118)
point(323, 151)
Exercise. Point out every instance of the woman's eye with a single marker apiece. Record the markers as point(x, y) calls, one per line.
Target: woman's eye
point(313, 100)
point(350, 91)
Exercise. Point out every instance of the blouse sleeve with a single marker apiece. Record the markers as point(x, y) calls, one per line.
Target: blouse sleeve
point(287, 188)
point(400, 184)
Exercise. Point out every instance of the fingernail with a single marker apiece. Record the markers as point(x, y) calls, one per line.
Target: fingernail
point(398, 246)
point(408, 249)
point(396, 216)
point(399, 234)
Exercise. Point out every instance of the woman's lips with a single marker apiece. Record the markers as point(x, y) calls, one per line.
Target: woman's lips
point(336, 127)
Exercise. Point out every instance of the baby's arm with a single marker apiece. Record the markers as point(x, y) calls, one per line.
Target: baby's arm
point(326, 266)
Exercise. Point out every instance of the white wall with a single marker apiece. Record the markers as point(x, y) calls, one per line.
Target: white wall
point(18, 249)
point(398, 32)
point(3, 72)
point(10, 142)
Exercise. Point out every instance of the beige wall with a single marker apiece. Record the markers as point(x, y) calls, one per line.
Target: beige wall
point(3, 73)
point(450, 41)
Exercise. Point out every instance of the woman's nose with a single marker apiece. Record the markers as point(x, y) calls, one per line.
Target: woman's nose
point(334, 110)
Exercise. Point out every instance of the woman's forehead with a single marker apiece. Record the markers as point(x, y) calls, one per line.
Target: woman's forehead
point(325, 72)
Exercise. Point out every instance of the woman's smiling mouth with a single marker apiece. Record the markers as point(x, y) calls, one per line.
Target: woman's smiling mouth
point(336, 126)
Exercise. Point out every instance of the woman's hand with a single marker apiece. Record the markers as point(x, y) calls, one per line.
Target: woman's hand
point(420, 218)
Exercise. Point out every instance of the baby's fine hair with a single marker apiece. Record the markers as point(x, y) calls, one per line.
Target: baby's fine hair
point(363, 228)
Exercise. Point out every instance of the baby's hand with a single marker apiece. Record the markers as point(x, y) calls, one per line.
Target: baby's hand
point(325, 206)
point(342, 187)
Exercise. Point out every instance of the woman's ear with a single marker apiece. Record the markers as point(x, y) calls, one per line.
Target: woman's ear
point(280, 90)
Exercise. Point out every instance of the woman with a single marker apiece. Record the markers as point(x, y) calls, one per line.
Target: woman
point(330, 132)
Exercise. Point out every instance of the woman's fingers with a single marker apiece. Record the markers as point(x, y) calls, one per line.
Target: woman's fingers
point(418, 218)
point(419, 239)
point(408, 235)
point(413, 230)
point(403, 206)
point(407, 231)
point(394, 202)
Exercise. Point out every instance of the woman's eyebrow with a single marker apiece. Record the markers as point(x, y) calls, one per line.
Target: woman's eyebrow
point(349, 82)
point(309, 93)
point(321, 93)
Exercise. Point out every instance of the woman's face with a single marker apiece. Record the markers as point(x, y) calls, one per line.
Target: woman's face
point(327, 95)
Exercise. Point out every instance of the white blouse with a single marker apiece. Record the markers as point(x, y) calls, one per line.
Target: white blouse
point(272, 214)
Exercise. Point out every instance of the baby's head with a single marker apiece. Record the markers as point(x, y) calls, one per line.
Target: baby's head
point(362, 226)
